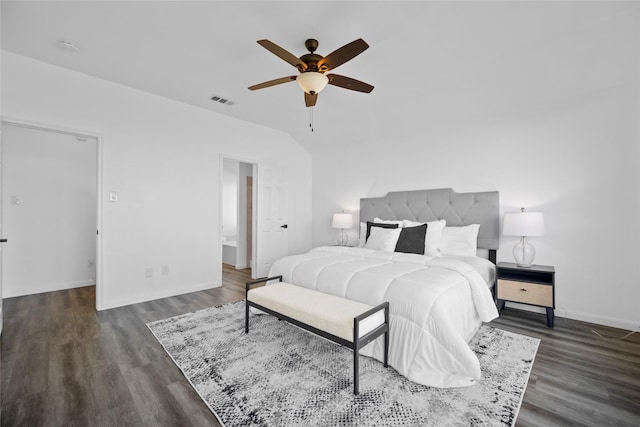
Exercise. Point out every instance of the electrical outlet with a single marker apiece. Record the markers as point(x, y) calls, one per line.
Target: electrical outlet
point(165, 270)
point(148, 272)
point(91, 263)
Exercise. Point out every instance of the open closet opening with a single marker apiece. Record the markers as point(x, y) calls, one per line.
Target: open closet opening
point(237, 232)
point(49, 210)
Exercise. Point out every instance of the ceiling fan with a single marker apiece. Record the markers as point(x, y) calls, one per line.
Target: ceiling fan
point(312, 67)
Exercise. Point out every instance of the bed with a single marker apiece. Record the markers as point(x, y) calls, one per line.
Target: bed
point(437, 301)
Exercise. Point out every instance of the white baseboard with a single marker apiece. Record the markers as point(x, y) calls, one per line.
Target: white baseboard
point(613, 322)
point(19, 291)
point(115, 303)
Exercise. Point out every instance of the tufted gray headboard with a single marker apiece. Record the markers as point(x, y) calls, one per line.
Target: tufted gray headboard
point(429, 205)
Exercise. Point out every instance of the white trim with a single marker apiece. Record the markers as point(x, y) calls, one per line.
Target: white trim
point(581, 316)
point(52, 287)
point(47, 127)
point(99, 231)
point(99, 174)
point(121, 302)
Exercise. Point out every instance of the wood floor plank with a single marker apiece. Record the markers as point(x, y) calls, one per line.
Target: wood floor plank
point(578, 378)
point(63, 363)
point(188, 399)
point(151, 395)
point(125, 415)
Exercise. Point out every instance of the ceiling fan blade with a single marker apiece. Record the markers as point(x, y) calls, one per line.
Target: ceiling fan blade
point(342, 55)
point(272, 82)
point(283, 54)
point(349, 83)
point(310, 100)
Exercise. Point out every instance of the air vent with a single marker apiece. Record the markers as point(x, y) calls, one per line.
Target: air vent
point(222, 100)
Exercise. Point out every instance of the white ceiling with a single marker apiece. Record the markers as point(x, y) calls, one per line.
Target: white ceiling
point(433, 64)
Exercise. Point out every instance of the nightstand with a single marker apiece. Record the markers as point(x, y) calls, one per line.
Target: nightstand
point(534, 286)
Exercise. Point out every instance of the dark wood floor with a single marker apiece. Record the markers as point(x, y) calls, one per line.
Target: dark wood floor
point(63, 363)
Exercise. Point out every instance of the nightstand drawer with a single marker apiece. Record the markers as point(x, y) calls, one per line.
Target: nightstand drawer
point(528, 293)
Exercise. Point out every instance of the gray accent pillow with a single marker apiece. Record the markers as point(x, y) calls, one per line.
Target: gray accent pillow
point(411, 240)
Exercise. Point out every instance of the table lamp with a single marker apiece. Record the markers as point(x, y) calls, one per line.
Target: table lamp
point(524, 224)
point(342, 221)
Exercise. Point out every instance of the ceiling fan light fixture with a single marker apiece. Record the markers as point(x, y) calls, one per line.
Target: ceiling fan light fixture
point(312, 82)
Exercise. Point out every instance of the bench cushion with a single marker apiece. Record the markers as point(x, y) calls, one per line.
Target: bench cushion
point(326, 312)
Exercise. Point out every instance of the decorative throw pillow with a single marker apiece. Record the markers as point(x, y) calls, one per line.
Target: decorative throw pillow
point(460, 241)
point(411, 239)
point(383, 238)
point(387, 221)
point(433, 236)
point(362, 239)
point(378, 225)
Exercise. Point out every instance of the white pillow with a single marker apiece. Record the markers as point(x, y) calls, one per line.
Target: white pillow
point(383, 239)
point(460, 241)
point(385, 221)
point(363, 235)
point(433, 236)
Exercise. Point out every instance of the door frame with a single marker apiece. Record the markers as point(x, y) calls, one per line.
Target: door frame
point(12, 121)
point(254, 237)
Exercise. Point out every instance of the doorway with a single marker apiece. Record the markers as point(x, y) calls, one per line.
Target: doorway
point(50, 209)
point(237, 213)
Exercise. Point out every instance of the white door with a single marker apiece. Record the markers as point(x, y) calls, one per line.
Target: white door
point(272, 236)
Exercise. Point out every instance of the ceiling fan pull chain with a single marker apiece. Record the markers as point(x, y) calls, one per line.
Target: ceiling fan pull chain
point(311, 118)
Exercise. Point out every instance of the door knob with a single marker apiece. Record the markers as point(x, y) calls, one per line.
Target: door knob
point(284, 226)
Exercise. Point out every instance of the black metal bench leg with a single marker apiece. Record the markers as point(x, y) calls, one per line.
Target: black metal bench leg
point(386, 349)
point(356, 371)
point(246, 316)
point(386, 337)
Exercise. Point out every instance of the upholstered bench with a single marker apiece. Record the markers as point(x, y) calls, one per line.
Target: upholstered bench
point(349, 323)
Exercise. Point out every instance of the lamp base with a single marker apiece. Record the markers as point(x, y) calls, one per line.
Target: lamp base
point(342, 238)
point(524, 265)
point(524, 253)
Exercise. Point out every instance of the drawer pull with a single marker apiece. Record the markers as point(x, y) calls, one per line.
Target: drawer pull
point(523, 289)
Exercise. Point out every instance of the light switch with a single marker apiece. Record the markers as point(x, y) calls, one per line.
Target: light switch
point(113, 196)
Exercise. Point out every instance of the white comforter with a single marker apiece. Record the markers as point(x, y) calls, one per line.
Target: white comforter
point(436, 305)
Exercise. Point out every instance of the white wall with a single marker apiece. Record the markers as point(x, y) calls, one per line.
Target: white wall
point(163, 159)
point(48, 211)
point(554, 128)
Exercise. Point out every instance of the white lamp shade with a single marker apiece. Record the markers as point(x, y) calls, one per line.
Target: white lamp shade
point(342, 220)
point(312, 82)
point(523, 224)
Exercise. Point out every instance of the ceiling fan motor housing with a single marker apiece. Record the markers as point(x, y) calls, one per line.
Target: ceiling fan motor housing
point(311, 59)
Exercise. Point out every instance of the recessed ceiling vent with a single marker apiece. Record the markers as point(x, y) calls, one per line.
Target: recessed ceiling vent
point(222, 100)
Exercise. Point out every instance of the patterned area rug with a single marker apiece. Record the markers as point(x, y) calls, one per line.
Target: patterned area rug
point(280, 375)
